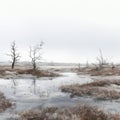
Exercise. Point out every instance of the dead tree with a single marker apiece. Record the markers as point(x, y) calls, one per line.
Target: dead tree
point(101, 60)
point(35, 54)
point(13, 54)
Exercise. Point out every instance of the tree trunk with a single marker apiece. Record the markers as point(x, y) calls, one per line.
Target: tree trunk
point(13, 64)
point(34, 66)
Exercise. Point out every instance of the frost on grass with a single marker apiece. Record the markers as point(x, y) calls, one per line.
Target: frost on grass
point(100, 89)
point(38, 73)
point(4, 103)
point(104, 71)
point(80, 112)
point(9, 73)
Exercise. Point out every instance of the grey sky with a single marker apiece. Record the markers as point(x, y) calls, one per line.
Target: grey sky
point(73, 30)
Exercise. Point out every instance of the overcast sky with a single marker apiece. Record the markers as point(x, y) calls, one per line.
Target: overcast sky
point(72, 30)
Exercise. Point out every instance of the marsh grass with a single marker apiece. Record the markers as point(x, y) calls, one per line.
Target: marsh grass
point(4, 103)
point(38, 73)
point(81, 112)
point(96, 89)
point(104, 71)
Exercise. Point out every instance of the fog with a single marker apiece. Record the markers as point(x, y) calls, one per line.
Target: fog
point(72, 31)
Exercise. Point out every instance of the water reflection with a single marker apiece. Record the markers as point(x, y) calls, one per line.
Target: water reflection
point(14, 83)
point(26, 91)
point(34, 86)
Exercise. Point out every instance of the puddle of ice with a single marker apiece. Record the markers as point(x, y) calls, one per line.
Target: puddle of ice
point(32, 93)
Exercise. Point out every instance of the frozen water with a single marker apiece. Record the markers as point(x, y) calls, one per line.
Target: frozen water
point(38, 93)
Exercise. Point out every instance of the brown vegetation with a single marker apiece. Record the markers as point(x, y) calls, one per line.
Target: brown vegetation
point(5, 72)
point(4, 103)
point(104, 71)
point(38, 73)
point(101, 83)
point(96, 89)
point(81, 112)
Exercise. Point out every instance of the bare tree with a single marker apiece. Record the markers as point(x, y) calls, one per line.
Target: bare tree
point(35, 54)
point(87, 64)
point(101, 61)
point(14, 54)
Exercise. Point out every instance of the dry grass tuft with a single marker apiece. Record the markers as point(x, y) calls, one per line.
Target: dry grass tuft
point(101, 83)
point(4, 103)
point(105, 71)
point(38, 73)
point(81, 112)
point(96, 89)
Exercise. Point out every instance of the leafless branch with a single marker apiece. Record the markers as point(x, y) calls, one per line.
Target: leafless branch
point(15, 56)
point(35, 54)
